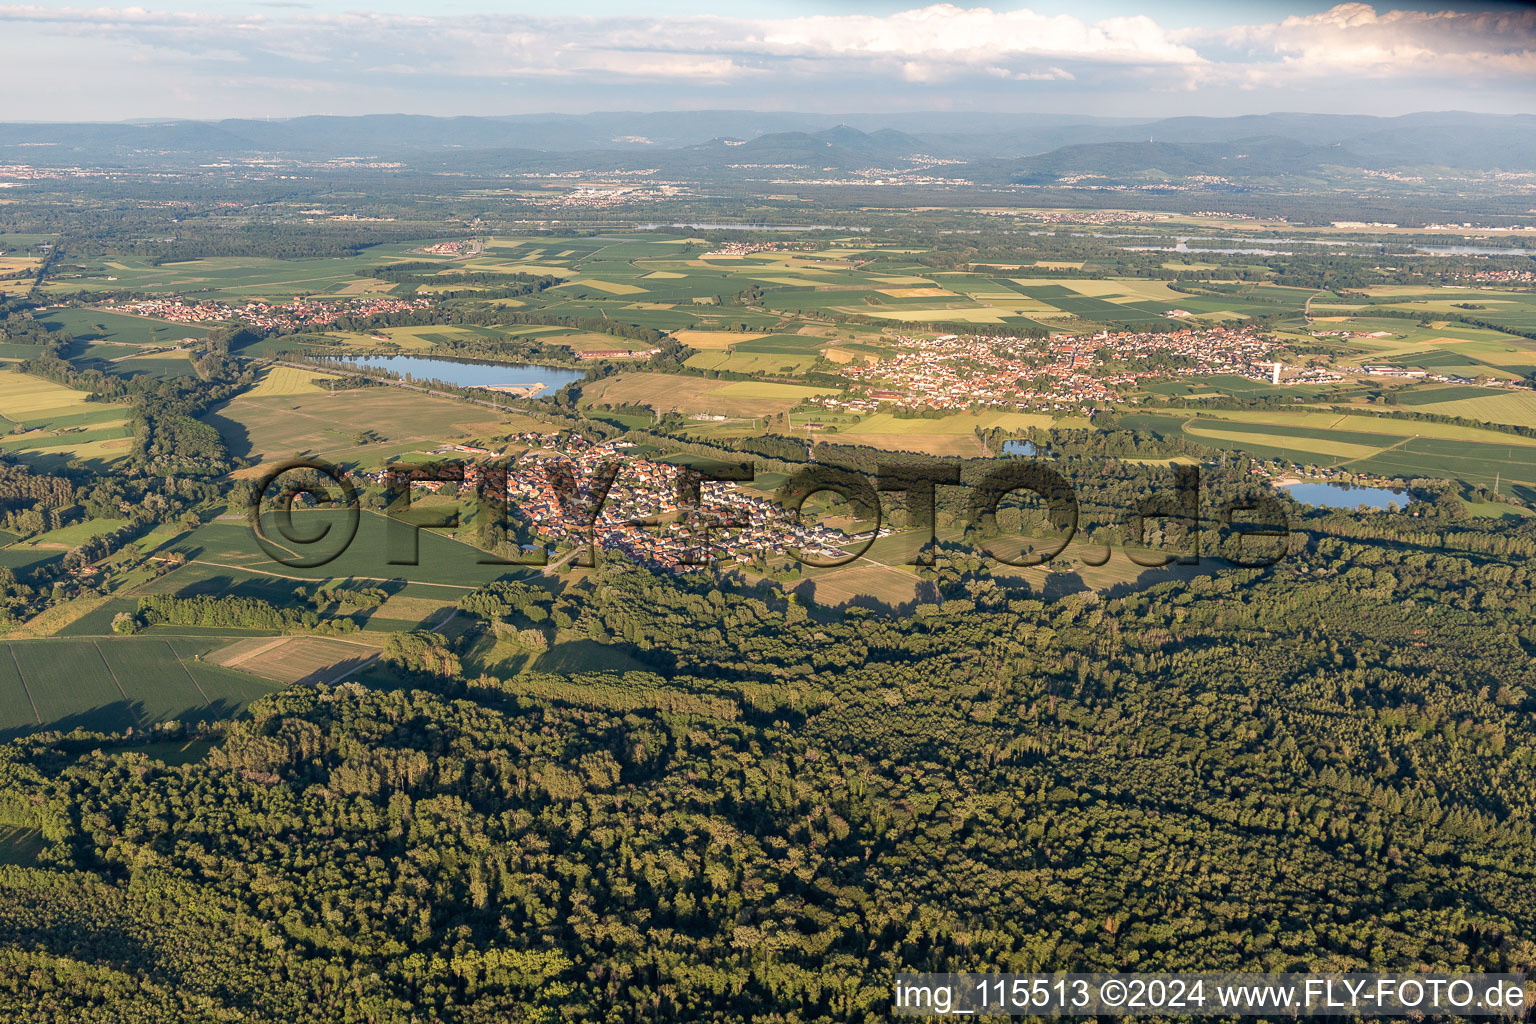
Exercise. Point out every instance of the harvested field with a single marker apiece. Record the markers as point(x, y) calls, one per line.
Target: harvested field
point(296, 659)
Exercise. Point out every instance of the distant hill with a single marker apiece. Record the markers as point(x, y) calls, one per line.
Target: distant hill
point(1268, 157)
point(988, 148)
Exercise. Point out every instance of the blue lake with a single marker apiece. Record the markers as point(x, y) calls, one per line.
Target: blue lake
point(1020, 448)
point(473, 375)
point(1345, 496)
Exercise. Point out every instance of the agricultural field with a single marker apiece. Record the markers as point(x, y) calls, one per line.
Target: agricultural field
point(698, 396)
point(863, 583)
point(1361, 443)
point(1437, 341)
point(267, 427)
point(945, 435)
point(233, 277)
point(23, 267)
point(96, 325)
point(1491, 405)
point(296, 659)
point(111, 683)
point(223, 557)
point(678, 283)
point(782, 354)
point(52, 424)
point(281, 381)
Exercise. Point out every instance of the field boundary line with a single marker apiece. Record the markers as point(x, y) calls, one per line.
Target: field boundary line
point(175, 654)
point(117, 683)
point(275, 642)
point(24, 687)
point(355, 668)
point(310, 579)
point(1361, 458)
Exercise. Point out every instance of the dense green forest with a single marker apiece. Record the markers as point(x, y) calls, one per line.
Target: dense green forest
point(1322, 765)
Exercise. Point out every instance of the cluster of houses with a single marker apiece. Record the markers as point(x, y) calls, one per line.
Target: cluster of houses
point(1500, 276)
point(1100, 216)
point(1345, 333)
point(267, 316)
point(451, 248)
point(598, 197)
point(645, 514)
point(748, 248)
point(617, 353)
point(1063, 374)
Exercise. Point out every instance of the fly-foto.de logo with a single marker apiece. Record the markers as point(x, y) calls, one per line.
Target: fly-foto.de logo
point(1014, 512)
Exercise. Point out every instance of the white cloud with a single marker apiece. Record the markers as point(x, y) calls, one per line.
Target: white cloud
point(944, 48)
point(1353, 39)
point(928, 43)
point(975, 36)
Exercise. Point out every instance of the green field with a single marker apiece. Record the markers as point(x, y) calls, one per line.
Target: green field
point(108, 684)
point(74, 534)
point(54, 424)
point(266, 426)
point(1517, 408)
point(1361, 444)
point(769, 354)
point(96, 325)
point(224, 554)
point(697, 395)
point(236, 277)
point(672, 282)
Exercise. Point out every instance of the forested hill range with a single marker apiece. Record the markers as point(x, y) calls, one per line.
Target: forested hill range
point(980, 148)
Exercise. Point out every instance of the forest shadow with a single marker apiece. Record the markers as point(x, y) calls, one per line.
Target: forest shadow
point(118, 716)
point(235, 435)
point(335, 670)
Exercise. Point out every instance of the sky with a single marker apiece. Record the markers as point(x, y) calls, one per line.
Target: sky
point(284, 58)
